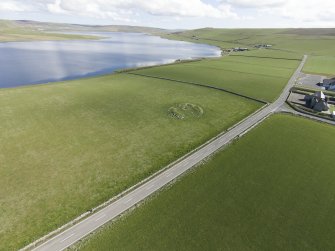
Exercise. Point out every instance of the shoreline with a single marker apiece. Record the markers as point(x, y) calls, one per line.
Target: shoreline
point(115, 71)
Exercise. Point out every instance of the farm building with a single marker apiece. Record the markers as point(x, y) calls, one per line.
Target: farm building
point(318, 102)
point(240, 49)
point(328, 84)
point(263, 46)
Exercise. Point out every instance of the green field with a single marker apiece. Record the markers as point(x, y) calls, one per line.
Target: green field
point(271, 190)
point(261, 78)
point(11, 31)
point(26, 30)
point(324, 65)
point(287, 43)
point(67, 147)
point(297, 41)
point(226, 38)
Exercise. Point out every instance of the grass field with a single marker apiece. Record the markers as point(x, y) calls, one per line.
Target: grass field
point(324, 65)
point(287, 43)
point(262, 78)
point(271, 190)
point(301, 41)
point(67, 147)
point(226, 38)
point(10, 31)
point(271, 53)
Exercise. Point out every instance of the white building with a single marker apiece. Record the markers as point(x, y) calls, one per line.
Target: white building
point(320, 95)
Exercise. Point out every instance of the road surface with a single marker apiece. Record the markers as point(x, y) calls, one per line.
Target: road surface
point(287, 109)
point(96, 220)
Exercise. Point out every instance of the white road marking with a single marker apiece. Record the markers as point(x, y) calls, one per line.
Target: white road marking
point(169, 174)
point(67, 238)
point(102, 216)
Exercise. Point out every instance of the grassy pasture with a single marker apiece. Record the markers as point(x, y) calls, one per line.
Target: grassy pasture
point(273, 189)
point(301, 41)
point(261, 78)
point(225, 38)
point(316, 45)
point(271, 53)
point(67, 147)
point(324, 65)
point(10, 31)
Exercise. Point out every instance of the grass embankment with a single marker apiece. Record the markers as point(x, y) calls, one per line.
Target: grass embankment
point(271, 190)
point(10, 32)
point(67, 147)
point(256, 77)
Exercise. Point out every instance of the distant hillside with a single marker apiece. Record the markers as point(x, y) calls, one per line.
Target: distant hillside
point(312, 31)
point(312, 41)
point(43, 26)
point(26, 30)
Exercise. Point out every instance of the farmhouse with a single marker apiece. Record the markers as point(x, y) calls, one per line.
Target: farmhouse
point(263, 46)
point(328, 84)
point(328, 81)
point(240, 49)
point(318, 102)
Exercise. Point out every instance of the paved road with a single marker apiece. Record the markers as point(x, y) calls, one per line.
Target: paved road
point(85, 227)
point(294, 112)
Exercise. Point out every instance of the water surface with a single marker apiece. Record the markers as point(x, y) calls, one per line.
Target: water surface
point(25, 63)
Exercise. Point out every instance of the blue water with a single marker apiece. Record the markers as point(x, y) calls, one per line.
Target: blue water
point(25, 63)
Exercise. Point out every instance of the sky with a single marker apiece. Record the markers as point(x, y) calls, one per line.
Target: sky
point(176, 14)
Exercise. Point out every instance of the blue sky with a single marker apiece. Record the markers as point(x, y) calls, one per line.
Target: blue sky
point(176, 14)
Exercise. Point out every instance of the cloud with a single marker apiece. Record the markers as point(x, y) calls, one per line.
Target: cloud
point(117, 9)
point(307, 11)
point(23, 5)
point(13, 6)
point(254, 3)
point(55, 7)
point(89, 9)
point(292, 12)
point(121, 10)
